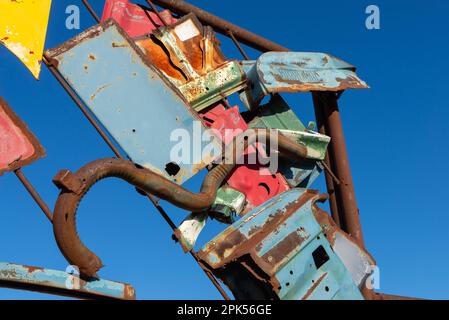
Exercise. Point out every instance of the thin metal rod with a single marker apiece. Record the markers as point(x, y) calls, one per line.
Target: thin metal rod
point(210, 276)
point(156, 11)
point(92, 12)
point(237, 44)
point(330, 172)
point(34, 194)
point(220, 25)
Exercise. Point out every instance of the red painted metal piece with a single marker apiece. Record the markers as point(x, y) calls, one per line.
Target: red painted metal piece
point(18, 145)
point(257, 183)
point(253, 180)
point(133, 18)
point(228, 122)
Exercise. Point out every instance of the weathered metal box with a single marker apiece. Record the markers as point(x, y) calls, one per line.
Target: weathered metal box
point(280, 251)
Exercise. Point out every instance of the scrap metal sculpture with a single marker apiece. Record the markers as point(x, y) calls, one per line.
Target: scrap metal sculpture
point(137, 63)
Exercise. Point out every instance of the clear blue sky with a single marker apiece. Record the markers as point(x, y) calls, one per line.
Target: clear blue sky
point(397, 136)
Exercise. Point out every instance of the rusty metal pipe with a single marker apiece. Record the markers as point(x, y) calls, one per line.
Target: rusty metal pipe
point(327, 102)
point(333, 202)
point(220, 25)
point(64, 218)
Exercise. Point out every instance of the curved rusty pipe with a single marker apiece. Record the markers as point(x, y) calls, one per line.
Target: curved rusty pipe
point(64, 218)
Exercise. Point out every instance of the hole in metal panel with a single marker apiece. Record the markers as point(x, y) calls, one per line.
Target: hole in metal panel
point(320, 256)
point(172, 168)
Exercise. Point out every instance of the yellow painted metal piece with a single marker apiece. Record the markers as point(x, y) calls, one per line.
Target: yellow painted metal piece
point(23, 27)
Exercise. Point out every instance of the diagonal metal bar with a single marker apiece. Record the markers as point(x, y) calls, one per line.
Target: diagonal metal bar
point(92, 12)
point(34, 194)
point(237, 44)
point(156, 11)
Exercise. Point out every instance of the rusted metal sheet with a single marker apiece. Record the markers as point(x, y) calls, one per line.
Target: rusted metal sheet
point(132, 99)
point(190, 56)
point(133, 18)
point(356, 259)
point(279, 250)
point(18, 145)
point(56, 282)
point(297, 72)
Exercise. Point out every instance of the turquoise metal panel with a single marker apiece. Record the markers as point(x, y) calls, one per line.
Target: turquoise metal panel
point(131, 98)
point(297, 72)
point(61, 283)
point(282, 240)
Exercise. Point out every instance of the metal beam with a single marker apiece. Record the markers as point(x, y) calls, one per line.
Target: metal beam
point(348, 210)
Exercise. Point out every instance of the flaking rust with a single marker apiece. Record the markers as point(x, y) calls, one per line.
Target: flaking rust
point(189, 55)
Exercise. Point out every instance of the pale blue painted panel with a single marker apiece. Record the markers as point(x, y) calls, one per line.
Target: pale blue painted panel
point(131, 98)
point(48, 280)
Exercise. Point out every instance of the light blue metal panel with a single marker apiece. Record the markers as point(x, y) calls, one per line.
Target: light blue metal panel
point(297, 72)
point(132, 99)
point(60, 282)
point(283, 240)
point(331, 281)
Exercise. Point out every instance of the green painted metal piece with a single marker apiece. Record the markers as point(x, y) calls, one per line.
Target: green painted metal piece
point(203, 91)
point(277, 115)
point(315, 143)
point(228, 205)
